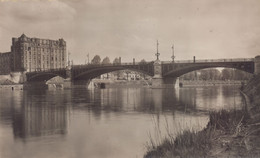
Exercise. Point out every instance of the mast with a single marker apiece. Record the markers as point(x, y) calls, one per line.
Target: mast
point(157, 53)
point(173, 53)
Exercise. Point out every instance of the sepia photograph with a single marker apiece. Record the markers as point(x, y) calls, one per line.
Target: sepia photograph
point(129, 78)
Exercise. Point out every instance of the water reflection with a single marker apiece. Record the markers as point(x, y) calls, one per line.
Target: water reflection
point(102, 122)
point(36, 113)
point(125, 100)
point(222, 97)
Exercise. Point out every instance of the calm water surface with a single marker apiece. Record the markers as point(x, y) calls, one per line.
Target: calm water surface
point(107, 123)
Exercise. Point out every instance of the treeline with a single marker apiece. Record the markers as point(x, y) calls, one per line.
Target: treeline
point(216, 74)
point(97, 60)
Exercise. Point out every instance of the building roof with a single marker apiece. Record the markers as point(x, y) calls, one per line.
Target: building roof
point(23, 37)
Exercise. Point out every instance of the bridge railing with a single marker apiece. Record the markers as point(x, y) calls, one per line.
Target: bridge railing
point(46, 70)
point(110, 64)
point(91, 65)
point(210, 60)
point(148, 62)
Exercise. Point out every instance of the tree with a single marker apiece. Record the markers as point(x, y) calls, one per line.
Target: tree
point(106, 60)
point(142, 62)
point(210, 74)
point(226, 74)
point(214, 74)
point(188, 76)
point(96, 60)
point(116, 61)
point(241, 75)
point(204, 75)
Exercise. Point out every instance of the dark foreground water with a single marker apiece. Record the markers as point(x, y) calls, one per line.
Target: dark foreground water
point(107, 123)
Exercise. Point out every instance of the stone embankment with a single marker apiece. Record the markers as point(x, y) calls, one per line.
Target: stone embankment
point(10, 82)
point(229, 134)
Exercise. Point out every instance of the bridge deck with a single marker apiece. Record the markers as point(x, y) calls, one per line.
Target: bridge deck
point(168, 68)
point(210, 60)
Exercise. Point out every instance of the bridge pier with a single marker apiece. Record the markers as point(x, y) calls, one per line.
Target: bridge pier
point(68, 84)
point(160, 82)
point(257, 65)
point(169, 82)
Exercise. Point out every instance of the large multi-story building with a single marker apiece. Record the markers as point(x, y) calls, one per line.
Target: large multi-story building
point(5, 62)
point(33, 54)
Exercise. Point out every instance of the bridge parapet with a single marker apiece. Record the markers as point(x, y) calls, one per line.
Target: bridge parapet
point(111, 64)
point(210, 60)
point(48, 70)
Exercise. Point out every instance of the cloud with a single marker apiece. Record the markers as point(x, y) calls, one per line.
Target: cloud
point(36, 11)
point(43, 19)
point(202, 28)
point(31, 15)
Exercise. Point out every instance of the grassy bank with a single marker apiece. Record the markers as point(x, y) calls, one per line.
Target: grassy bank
point(228, 133)
point(224, 132)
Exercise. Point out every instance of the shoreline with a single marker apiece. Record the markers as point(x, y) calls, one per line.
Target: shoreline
point(201, 83)
point(228, 133)
point(12, 87)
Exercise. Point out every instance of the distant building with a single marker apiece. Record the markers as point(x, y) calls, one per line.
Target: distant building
point(124, 75)
point(5, 63)
point(34, 54)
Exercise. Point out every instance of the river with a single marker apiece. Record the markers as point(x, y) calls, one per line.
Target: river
point(107, 123)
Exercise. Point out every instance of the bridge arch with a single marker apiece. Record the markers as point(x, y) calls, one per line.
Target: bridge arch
point(43, 77)
point(95, 72)
point(247, 67)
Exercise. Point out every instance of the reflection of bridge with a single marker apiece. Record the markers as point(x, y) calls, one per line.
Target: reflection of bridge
point(164, 73)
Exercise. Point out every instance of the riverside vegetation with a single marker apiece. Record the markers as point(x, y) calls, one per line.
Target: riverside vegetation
point(229, 134)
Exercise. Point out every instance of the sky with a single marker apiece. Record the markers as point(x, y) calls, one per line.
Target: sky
point(207, 29)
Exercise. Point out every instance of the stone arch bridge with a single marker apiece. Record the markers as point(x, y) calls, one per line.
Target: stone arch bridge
point(164, 73)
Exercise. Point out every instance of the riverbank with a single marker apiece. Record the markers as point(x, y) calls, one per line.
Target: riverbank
point(228, 133)
point(8, 84)
point(192, 83)
point(12, 87)
point(119, 83)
